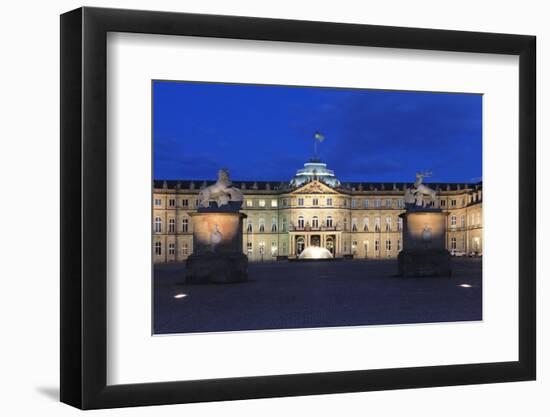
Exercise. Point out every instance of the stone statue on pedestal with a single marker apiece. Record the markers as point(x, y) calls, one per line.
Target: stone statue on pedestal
point(424, 252)
point(217, 236)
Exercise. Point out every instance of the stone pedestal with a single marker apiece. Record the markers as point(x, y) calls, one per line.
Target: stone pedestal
point(217, 248)
point(424, 253)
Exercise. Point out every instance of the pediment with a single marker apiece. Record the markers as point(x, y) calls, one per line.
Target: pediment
point(314, 187)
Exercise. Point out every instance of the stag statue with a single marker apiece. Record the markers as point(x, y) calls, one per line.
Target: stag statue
point(222, 192)
point(417, 193)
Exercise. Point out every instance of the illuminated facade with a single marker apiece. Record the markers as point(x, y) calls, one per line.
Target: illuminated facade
point(350, 219)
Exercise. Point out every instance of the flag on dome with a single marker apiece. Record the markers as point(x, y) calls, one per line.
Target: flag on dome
point(319, 137)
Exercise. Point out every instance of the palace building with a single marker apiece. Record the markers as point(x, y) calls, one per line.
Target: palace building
point(350, 219)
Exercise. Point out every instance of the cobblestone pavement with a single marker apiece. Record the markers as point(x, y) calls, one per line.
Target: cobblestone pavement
point(288, 295)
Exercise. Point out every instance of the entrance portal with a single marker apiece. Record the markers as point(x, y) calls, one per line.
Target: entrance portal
point(330, 244)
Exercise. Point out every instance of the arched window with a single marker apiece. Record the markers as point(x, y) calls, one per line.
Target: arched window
point(158, 225)
point(329, 221)
point(399, 224)
point(300, 221)
point(377, 224)
point(388, 223)
point(249, 226)
point(365, 224)
point(262, 225)
point(171, 225)
point(185, 225)
point(158, 248)
point(315, 222)
point(274, 224)
point(354, 225)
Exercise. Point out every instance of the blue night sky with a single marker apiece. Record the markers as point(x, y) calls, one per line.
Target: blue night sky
point(266, 132)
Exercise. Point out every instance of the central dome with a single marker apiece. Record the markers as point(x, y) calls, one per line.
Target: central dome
point(315, 252)
point(315, 170)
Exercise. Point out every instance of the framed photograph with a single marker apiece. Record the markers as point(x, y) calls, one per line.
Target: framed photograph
point(259, 208)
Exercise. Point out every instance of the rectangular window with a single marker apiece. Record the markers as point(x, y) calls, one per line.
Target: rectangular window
point(158, 248)
point(249, 248)
point(388, 224)
point(388, 203)
point(273, 248)
point(399, 224)
point(377, 203)
point(377, 224)
point(284, 202)
point(274, 224)
point(274, 203)
point(249, 203)
point(366, 203)
point(398, 245)
point(171, 225)
point(453, 243)
point(300, 201)
point(329, 201)
point(171, 249)
point(261, 203)
point(377, 245)
point(462, 221)
point(388, 245)
point(453, 203)
point(442, 203)
point(400, 203)
point(345, 202)
point(185, 249)
point(158, 202)
point(172, 202)
point(315, 202)
point(353, 203)
point(185, 203)
point(354, 225)
point(185, 225)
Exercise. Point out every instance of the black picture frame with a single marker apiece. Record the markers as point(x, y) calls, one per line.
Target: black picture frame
point(84, 207)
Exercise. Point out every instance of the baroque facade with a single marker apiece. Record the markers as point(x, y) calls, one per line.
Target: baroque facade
point(353, 219)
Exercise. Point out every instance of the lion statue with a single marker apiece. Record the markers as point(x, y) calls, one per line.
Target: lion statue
point(222, 192)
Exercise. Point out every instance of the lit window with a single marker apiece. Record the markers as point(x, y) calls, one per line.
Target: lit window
point(388, 223)
point(273, 248)
point(315, 222)
point(158, 225)
point(261, 203)
point(158, 248)
point(262, 248)
point(273, 203)
point(249, 203)
point(300, 201)
point(171, 249)
point(329, 221)
point(158, 202)
point(171, 225)
point(185, 225)
point(329, 201)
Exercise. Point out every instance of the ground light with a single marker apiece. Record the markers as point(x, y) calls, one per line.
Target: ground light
point(465, 285)
point(180, 295)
